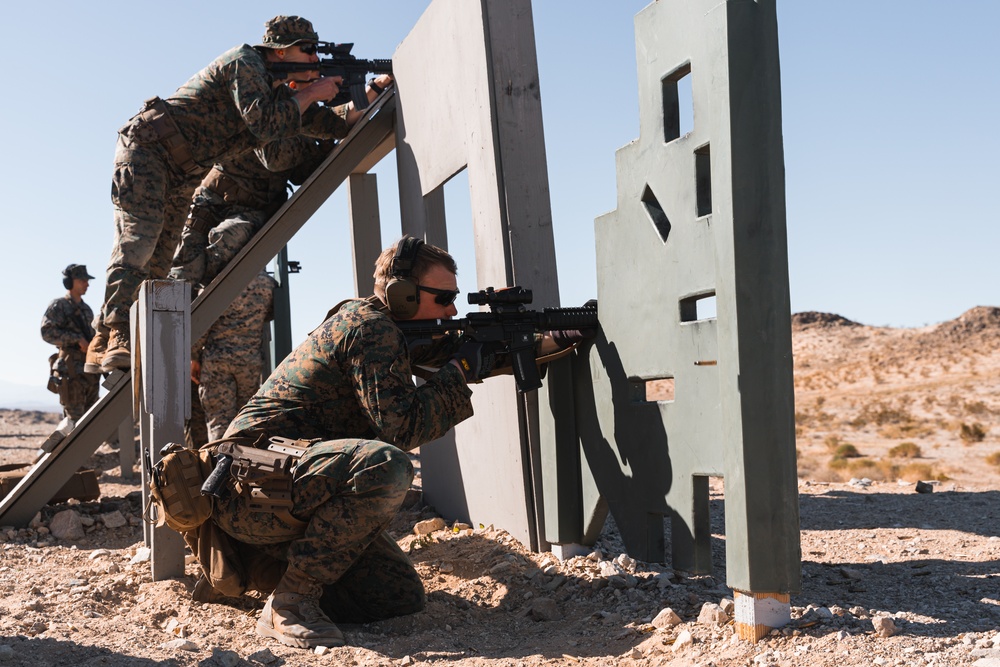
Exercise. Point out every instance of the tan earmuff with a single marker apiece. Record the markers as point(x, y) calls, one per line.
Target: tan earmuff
point(402, 293)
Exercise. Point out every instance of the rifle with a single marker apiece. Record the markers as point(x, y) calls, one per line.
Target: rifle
point(340, 63)
point(509, 324)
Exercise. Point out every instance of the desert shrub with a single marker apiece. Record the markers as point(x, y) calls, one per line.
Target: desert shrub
point(914, 472)
point(976, 408)
point(880, 414)
point(837, 464)
point(867, 468)
point(912, 429)
point(905, 450)
point(994, 459)
point(832, 442)
point(846, 451)
point(970, 433)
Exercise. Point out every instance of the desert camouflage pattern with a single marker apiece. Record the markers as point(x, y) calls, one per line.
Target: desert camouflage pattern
point(64, 325)
point(231, 360)
point(227, 109)
point(350, 385)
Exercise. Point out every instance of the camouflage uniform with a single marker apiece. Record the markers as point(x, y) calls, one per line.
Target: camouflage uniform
point(64, 325)
point(238, 196)
point(231, 361)
point(350, 385)
point(227, 109)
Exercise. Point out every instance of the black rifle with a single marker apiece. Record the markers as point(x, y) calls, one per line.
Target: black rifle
point(340, 63)
point(509, 325)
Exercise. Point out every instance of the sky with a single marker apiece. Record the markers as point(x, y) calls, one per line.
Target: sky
point(889, 113)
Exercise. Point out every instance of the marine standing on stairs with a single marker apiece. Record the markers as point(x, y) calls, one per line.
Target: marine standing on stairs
point(229, 108)
point(66, 324)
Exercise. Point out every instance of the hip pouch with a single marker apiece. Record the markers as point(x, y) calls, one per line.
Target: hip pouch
point(175, 482)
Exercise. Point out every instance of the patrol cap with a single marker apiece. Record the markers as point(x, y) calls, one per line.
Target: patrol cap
point(77, 271)
point(284, 31)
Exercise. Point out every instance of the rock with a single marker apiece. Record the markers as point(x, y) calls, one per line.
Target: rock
point(987, 662)
point(114, 519)
point(634, 654)
point(884, 627)
point(684, 639)
point(712, 614)
point(180, 645)
point(728, 605)
point(995, 641)
point(6, 653)
point(142, 554)
point(544, 609)
point(924, 487)
point(97, 553)
point(263, 656)
point(225, 658)
point(66, 525)
point(852, 574)
point(321, 650)
point(407, 660)
point(667, 618)
point(428, 526)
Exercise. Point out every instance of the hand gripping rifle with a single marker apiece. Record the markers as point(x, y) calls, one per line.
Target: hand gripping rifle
point(509, 325)
point(340, 63)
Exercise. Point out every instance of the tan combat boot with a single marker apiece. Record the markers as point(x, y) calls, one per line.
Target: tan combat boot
point(95, 352)
point(292, 614)
point(119, 354)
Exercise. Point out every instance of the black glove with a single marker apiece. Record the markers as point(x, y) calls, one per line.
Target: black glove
point(475, 359)
point(568, 337)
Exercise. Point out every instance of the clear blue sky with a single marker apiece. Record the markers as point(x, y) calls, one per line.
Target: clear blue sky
point(890, 129)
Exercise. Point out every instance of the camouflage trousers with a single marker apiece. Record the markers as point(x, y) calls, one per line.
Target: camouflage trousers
point(77, 390)
point(200, 257)
point(347, 491)
point(151, 197)
point(226, 385)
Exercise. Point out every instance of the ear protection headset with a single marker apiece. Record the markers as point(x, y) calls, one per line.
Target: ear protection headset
point(67, 277)
point(402, 293)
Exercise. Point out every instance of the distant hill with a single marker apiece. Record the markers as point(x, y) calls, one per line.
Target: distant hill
point(23, 397)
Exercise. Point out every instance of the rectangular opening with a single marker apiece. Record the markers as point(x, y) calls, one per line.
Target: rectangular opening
point(652, 390)
point(703, 180)
point(698, 307)
point(678, 103)
point(656, 214)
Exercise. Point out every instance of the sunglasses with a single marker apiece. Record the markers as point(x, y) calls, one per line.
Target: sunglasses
point(442, 297)
point(308, 48)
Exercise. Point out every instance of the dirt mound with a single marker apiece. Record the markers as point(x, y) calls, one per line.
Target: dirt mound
point(812, 318)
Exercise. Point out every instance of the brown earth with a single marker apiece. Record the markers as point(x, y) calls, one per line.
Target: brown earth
point(872, 547)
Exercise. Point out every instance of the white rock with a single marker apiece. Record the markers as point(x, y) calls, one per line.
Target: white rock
point(884, 627)
point(97, 553)
point(712, 614)
point(407, 660)
point(684, 639)
point(66, 525)
point(114, 519)
point(428, 526)
point(667, 618)
point(996, 640)
point(180, 644)
point(142, 554)
point(728, 605)
point(321, 650)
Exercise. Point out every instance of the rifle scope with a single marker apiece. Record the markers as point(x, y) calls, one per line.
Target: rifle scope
point(508, 296)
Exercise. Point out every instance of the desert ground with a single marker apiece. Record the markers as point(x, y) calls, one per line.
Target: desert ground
point(891, 576)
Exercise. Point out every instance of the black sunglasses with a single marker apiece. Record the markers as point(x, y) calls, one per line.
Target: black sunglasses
point(308, 48)
point(442, 297)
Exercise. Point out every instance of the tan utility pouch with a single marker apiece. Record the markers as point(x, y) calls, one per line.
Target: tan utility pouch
point(264, 476)
point(155, 124)
point(175, 487)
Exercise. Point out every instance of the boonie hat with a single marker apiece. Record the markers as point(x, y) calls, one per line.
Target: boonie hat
point(77, 271)
point(284, 31)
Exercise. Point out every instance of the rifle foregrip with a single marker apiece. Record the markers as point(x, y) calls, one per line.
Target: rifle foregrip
point(569, 318)
point(216, 483)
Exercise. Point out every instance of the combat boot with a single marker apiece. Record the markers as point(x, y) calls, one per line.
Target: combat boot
point(119, 354)
point(292, 614)
point(95, 352)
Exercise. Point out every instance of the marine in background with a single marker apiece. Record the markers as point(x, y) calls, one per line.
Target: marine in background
point(67, 325)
